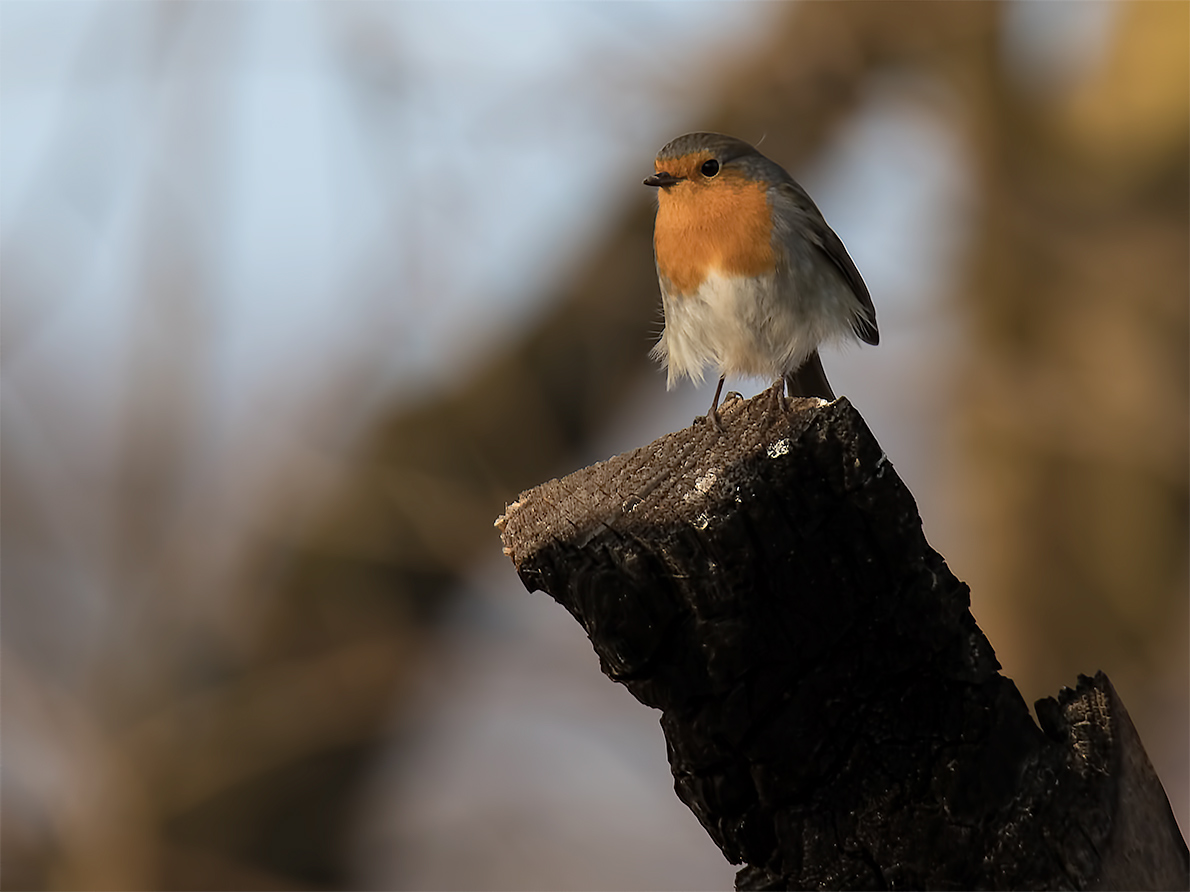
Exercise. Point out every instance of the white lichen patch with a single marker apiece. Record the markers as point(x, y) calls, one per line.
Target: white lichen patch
point(503, 518)
point(702, 486)
point(780, 448)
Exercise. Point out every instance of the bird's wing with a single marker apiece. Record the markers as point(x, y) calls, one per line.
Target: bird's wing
point(818, 233)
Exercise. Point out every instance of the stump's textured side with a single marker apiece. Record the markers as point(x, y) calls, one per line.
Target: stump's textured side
point(833, 715)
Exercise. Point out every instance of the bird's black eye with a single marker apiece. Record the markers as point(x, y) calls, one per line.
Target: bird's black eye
point(710, 168)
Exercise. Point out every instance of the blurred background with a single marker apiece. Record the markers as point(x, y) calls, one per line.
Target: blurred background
point(296, 297)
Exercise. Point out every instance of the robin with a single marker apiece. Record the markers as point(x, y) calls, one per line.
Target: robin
point(753, 281)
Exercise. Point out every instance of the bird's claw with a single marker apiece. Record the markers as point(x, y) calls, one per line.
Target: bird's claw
point(778, 391)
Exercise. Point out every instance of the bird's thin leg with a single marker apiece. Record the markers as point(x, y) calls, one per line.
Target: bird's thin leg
point(714, 413)
point(782, 400)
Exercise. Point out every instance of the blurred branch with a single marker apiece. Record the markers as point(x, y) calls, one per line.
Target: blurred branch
point(260, 722)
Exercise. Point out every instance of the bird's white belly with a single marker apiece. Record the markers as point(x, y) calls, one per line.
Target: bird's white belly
point(743, 326)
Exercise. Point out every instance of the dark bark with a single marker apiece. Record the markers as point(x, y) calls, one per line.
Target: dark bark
point(833, 715)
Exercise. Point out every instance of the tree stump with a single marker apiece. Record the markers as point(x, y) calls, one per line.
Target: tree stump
point(833, 715)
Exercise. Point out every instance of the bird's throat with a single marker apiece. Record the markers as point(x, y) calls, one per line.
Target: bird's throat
point(724, 226)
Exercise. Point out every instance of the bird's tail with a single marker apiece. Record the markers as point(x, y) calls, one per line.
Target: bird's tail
point(810, 380)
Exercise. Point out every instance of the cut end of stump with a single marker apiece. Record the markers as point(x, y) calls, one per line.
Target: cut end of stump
point(674, 477)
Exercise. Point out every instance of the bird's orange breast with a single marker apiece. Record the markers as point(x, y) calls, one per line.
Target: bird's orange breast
point(722, 225)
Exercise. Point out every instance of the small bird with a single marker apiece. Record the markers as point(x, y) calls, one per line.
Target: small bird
point(752, 279)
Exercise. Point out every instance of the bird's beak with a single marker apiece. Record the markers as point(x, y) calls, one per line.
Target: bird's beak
point(661, 179)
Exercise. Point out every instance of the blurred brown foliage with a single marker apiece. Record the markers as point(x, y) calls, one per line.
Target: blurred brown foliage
point(1073, 422)
point(1075, 392)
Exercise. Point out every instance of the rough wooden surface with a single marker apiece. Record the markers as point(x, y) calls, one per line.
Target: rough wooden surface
point(833, 715)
